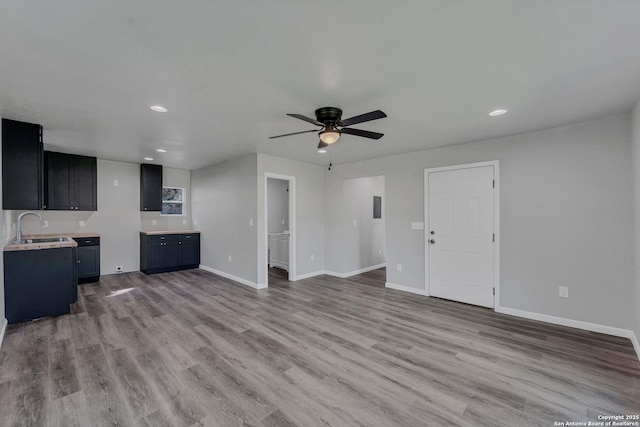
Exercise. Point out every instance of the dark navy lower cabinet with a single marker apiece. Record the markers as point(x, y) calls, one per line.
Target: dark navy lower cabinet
point(39, 283)
point(88, 259)
point(160, 253)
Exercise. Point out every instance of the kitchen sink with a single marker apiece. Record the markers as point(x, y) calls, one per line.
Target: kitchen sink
point(43, 240)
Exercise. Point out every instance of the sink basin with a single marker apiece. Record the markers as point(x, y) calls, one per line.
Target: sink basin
point(44, 240)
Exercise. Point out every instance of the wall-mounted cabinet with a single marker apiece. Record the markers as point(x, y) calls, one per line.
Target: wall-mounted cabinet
point(71, 182)
point(150, 187)
point(22, 166)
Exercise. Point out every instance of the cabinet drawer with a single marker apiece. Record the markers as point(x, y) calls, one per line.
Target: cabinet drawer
point(87, 241)
point(188, 237)
point(162, 238)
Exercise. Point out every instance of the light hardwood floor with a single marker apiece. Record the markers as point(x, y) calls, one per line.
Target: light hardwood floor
point(192, 349)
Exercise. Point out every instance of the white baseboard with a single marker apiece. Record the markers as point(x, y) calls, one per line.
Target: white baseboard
point(636, 344)
point(354, 272)
point(309, 275)
point(3, 330)
point(405, 289)
point(587, 326)
point(234, 278)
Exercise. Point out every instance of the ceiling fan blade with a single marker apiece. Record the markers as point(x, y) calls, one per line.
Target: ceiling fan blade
point(363, 133)
point(294, 133)
point(374, 115)
point(306, 119)
point(322, 144)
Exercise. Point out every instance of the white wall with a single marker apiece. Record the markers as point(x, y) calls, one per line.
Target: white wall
point(362, 235)
point(565, 217)
point(309, 207)
point(118, 218)
point(635, 155)
point(277, 205)
point(223, 206)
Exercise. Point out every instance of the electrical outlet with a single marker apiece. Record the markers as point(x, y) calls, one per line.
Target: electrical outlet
point(312, 257)
point(564, 292)
point(399, 267)
point(250, 222)
point(154, 222)
point(45, 224)
point(282, 221)
point(115, 183)
point(118, 269)
point(229, 258)
point(379, 251)
point(355, 223)
point(184, 222)
point(81, 223)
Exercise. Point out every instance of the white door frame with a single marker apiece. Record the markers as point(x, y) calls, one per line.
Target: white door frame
point(292, 223)
point(496, 223)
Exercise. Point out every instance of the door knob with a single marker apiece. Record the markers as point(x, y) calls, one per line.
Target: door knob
point(432, 241)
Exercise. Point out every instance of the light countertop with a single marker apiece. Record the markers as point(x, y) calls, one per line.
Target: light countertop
point(151, 233)
point(48, 245)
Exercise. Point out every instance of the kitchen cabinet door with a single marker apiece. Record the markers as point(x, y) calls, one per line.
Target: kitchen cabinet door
point(150, 187)
point(189, 250)
point(22, 166)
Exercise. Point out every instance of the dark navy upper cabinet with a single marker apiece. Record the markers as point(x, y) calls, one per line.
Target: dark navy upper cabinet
point(150, 187)
point(71, 182)
point(22, 166)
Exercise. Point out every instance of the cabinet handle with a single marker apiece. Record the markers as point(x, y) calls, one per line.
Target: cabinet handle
point(162, 238)
point(87, 241)
point(179, 243)
point(188, 237)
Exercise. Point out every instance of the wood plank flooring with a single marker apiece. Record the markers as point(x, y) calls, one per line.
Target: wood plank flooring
point(193, 349)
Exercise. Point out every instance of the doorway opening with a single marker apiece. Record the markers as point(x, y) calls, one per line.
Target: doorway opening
point(280, 227)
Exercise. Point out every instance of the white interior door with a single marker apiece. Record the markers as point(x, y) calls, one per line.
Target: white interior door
point(460, 235)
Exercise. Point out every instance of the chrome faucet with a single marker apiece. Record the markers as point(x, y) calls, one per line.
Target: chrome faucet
point(19, 229)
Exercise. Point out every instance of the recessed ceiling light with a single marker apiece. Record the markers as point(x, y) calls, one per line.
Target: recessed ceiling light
point(148, 158)
point(161, 150)
point(158, 108)
point(498, 112)
point(322, 151)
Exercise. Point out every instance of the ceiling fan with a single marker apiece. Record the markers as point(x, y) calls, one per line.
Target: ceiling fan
point(332, 125)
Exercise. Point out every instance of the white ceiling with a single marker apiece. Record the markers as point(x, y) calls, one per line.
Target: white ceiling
point(229, 71)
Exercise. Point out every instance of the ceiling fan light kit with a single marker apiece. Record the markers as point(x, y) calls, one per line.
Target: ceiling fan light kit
point(332, 125)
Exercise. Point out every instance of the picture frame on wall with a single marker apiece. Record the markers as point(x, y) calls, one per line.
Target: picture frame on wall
point(173, 201)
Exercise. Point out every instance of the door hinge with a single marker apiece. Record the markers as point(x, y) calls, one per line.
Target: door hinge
point(494, 183)
point(494, 291)
point(494, 237)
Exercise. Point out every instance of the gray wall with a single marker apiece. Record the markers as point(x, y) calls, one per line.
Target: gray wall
point(310, 206)
point(363, 241)
point(118, 218)
point(277, 205)
point(565, 217)
point(223, 205)
point(171, 177)
point(635, 150)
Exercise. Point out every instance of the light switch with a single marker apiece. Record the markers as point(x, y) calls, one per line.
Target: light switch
point(115, 183)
